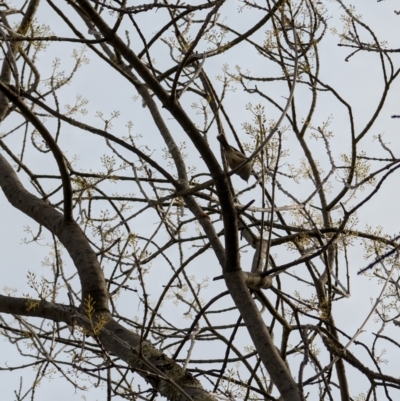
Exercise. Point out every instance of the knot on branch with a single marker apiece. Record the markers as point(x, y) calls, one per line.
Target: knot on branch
point(256, 281)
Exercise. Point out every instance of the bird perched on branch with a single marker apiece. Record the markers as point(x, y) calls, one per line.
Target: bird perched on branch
point(234, 158)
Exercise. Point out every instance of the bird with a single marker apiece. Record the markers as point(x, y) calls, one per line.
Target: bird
point(234, 158)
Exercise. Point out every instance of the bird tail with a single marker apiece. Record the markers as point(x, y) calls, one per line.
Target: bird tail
point(223, 141)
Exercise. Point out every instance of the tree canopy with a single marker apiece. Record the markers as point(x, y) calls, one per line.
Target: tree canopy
point(206, 198)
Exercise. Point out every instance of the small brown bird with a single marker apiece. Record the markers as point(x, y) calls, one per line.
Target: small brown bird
point(235, 157)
